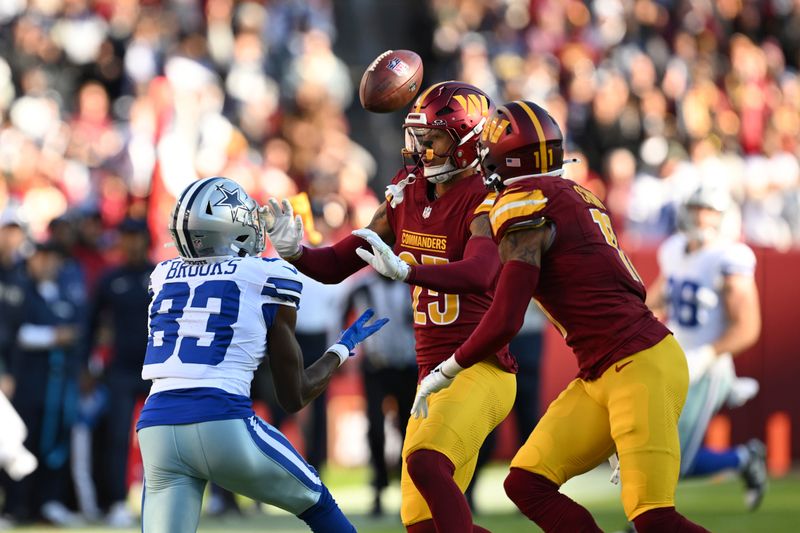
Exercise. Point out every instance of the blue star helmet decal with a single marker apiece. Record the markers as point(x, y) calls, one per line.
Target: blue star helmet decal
point(231, 200)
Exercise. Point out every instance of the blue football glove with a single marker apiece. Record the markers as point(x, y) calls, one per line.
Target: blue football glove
point(356, 333)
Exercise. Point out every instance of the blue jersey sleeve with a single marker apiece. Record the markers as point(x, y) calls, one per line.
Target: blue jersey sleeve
point(282, 285)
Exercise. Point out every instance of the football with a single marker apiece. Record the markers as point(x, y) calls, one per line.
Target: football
point(391, 81)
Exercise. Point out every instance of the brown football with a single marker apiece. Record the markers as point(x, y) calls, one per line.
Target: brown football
point(391, 81)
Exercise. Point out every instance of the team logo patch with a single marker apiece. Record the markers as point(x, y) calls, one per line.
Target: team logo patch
point(231, 200)
point(398, 66)
point(513, 162)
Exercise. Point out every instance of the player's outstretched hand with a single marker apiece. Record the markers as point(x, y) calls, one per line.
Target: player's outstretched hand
point(382, 258)
point(438, 379)
point(355, 334)
point(286, 231)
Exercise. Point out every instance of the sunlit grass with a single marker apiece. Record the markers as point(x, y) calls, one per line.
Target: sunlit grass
point(717, 504)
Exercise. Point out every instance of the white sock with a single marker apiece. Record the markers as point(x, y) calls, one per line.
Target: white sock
point(744, 456)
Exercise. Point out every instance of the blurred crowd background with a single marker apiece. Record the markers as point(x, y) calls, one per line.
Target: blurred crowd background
point(109, 108)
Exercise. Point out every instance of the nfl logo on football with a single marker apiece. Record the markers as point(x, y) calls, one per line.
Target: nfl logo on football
point(398, 66)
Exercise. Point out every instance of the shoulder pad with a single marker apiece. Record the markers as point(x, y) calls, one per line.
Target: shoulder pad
point(515, 205)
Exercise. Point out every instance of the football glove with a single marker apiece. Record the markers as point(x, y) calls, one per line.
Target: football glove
point(699, 361)
point(382, 258)
point(20, 464)
point(286, 230)
point(614, 462)
point(440, 378)
point(356, 333)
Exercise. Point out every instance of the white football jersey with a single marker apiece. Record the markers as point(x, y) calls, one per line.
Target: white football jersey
point(208, 321)
point(694, 286)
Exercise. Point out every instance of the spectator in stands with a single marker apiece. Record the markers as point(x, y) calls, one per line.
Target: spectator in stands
point(388, 368)
point(527, 348)
point(119, 308)
point(45, 367)
point(12, 238)
point(315, 324)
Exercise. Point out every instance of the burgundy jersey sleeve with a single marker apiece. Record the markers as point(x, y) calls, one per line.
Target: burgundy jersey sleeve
point(435, 231)
point(518, 206)
point(588, 287)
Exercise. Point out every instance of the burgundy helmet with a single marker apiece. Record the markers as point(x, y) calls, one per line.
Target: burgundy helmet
point(520, 139)
point(458, 108)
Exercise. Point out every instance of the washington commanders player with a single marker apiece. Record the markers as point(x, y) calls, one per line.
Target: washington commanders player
point(557, 245)
point(435, 218)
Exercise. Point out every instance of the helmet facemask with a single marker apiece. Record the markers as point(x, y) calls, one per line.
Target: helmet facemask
point(700, 231)
point(702, 216)
point(420, 146)
point(457, 109)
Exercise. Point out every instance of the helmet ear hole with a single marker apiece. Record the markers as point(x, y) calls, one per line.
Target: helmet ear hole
point(208, 208)
point(463, 126)
point(241, 238)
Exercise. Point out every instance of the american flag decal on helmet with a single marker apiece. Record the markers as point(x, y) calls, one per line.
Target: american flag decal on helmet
point(513, 162)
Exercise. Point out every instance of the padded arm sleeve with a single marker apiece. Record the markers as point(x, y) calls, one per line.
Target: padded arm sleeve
point(504, 318)
point(475, 273)
point(332, 264)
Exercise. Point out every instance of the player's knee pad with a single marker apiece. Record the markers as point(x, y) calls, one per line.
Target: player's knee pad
point(325, 516)
point(426, 467)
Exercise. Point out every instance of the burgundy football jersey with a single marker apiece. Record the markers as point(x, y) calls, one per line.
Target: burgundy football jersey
point(435, 231)
point(588, 287)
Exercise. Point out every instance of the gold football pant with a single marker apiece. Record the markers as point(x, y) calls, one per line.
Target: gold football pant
point(460, 418)
point(634, 408)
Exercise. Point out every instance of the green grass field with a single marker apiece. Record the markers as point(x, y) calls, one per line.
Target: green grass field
point(716, 504)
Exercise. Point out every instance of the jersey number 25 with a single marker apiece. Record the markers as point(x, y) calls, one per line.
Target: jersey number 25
point(439, 312)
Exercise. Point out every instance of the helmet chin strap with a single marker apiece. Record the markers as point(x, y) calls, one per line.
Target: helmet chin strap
point(444, 172)
point(440, 173)
point(556, 172)
point(515, 179)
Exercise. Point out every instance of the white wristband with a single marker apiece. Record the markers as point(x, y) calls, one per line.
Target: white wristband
point(450, 367)
point(341, 352)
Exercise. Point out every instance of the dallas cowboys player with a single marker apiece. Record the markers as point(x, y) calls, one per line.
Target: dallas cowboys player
point(216, 310)
point(707, 286)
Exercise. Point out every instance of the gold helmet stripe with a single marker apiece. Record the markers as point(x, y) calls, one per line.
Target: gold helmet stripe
point(539, 132)
point(425, 95)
